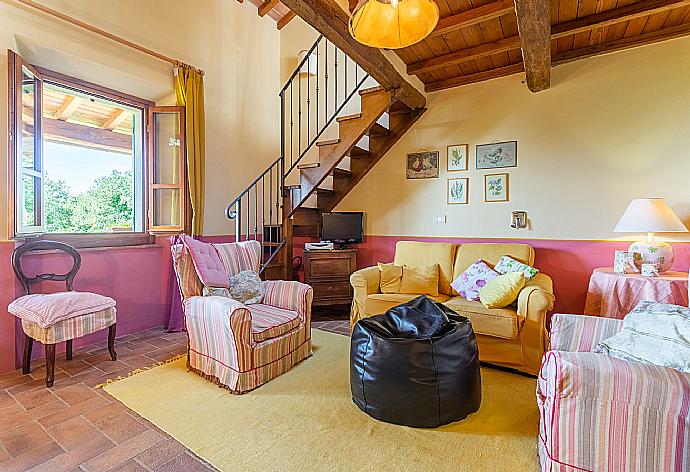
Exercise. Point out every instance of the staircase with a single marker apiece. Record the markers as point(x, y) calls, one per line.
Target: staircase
point(336, 124)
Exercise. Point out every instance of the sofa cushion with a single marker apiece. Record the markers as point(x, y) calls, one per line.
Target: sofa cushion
point(420, 280)
point(473, 279)
point(491, 253)
point(502, 291)
point(415, 254)
point(498, 322)
point(269, 322)
point(391, 276)
point(378, 303)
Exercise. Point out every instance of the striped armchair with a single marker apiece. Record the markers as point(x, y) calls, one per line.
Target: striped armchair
point(241, 347)
point(599, 413)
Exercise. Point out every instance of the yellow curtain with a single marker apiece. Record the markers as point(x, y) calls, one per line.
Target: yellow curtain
point(189, 89)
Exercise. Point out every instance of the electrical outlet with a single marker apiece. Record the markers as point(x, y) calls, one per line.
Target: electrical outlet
point(440, 219)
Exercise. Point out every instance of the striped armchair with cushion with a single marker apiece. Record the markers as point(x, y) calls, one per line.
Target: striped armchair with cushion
point(599, 413)
point(237, 346)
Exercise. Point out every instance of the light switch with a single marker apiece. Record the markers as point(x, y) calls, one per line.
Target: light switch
point(440, 219)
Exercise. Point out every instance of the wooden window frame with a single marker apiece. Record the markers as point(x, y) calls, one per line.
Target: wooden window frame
point(185, 225)
point(15, 65)
point(93, 240)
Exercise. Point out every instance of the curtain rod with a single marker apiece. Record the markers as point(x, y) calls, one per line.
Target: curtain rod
point(105, 34)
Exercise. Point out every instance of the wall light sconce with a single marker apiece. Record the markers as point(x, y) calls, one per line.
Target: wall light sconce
point(518, 220)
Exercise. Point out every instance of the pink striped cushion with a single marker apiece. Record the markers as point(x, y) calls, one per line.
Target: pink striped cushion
point(47, 309)
point(208, 265)
point(269, 322)
point(238, 257)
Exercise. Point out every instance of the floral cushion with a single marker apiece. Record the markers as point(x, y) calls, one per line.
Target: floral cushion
point(473, 279)
point(654, 333)
point(507, 264)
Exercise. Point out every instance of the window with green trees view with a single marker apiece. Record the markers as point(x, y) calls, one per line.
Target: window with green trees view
point(90, 162)
point(79, 159)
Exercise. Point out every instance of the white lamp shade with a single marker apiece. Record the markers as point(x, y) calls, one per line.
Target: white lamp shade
point(649, 215)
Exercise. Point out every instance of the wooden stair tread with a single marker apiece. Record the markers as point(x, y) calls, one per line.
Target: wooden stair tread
point(327, 192)
point(340, 119)
point(328, 142)
point(378, 130)
point(309, 165)
point(339, 173)
point(365, 91)
point(357, 152)
point(271, 244)
point(398, 108)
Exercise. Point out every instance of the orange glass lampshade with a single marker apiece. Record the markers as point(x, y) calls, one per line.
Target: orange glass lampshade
point(393, 24)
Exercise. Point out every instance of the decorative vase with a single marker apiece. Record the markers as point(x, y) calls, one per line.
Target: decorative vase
point(657, 252)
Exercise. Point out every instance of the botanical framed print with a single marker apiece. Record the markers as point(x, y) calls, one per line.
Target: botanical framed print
point(422, 165)
point(458, 191)
point(496, 188)
point(496, 155)
point(457, 157)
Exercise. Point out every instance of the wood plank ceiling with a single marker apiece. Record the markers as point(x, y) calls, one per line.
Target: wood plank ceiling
point(477, 40)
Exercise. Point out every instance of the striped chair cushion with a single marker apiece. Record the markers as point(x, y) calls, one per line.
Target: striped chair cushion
point(237, 257)
point(70, 328)
point(188, 281)
point(599, 413)
point(270, 322)
point(580, 333)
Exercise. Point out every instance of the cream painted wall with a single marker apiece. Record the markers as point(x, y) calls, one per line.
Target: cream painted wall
point(609, 129)
point(237, 49)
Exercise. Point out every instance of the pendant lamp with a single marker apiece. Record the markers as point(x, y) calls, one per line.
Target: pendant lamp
point(393, 24)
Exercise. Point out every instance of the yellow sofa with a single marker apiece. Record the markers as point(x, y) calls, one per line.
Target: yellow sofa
point(507, 337)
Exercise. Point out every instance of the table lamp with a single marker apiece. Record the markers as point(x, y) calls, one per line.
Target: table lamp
point(650, 215)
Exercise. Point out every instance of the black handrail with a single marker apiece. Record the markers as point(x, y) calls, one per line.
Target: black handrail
point(266, 193)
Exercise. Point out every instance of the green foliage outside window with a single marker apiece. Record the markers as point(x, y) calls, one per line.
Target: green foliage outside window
point(106, 206)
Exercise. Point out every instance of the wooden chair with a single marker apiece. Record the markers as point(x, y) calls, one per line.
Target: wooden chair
point(63, 330)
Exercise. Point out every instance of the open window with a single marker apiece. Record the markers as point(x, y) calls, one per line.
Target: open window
point(92, 166)
point(167, 174)
point(26, 160)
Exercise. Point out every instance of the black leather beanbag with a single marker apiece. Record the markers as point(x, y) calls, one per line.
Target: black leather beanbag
point(415, 365)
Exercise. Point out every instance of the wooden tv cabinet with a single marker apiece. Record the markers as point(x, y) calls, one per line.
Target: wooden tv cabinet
point(328, 272)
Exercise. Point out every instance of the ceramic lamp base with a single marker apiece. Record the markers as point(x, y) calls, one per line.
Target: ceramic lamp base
point(657, 252)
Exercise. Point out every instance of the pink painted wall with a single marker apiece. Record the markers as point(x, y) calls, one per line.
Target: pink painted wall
point(568, 263)
point(138, 278)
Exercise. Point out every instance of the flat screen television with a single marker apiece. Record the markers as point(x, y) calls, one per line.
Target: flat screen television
point(345, 227)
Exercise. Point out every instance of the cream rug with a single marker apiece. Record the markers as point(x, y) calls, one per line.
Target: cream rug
point(305, 421)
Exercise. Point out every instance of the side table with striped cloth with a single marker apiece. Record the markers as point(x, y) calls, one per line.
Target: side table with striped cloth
point(613, 295)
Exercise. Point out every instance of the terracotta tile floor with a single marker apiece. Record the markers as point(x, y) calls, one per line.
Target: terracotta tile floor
point(74, 426)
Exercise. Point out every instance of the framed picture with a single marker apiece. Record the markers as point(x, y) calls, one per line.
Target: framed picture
point(496, 188)
point(497, 155)
point(422, 165)
point(458, 191)
point(457, 157)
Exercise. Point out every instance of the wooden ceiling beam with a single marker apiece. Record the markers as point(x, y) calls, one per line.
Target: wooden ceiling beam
point(617, 15)
point(85, 136)
point(472, 17)
point(115, 119)
point(567, 56)
point(267, 6)
point(534, 28)
point(622, 44)
point(580, 25)
point(464, 55)
point(68, 107)
point(286, 18)
point(476, 77)
point(329, 19)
